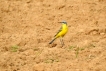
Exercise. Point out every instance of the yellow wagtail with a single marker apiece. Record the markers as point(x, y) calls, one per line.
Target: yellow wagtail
point(63, 30)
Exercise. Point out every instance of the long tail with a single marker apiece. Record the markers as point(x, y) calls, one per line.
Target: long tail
point(52, 41)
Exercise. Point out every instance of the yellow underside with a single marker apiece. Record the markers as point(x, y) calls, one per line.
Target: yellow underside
point(63, 32)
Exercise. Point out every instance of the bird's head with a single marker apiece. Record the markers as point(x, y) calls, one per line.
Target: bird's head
point(63, 22)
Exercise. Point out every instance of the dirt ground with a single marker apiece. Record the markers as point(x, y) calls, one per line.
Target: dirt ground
point(27, 26)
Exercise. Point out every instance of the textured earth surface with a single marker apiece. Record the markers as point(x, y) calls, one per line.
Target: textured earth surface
point(27, 26)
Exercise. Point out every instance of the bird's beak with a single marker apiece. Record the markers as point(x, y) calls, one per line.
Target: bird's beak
point(60, 22)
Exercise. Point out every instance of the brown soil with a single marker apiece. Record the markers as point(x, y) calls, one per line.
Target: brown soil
point(27, 26)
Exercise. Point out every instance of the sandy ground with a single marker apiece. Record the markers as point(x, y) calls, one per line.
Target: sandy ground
point(27, 26)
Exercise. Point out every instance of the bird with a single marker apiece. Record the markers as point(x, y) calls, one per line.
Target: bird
point(62, 31)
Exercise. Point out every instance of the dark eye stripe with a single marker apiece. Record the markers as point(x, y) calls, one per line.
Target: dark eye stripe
point(65, 22)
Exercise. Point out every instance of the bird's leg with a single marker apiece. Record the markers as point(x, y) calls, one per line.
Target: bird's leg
point(61, 40)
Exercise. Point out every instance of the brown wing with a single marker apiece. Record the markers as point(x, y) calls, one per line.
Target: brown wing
point(58, 31)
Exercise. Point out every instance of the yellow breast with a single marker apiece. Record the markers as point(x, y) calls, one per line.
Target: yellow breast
point(63, 32)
